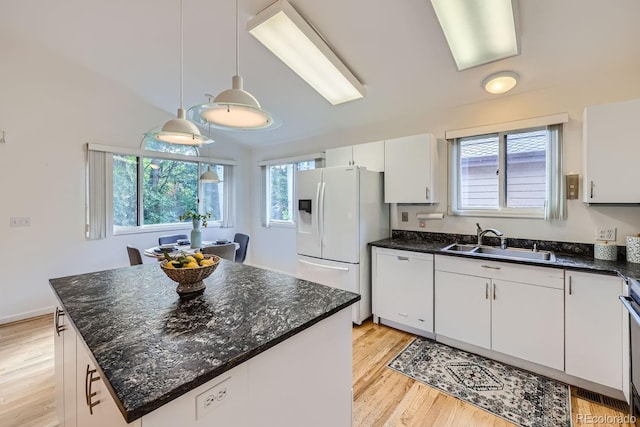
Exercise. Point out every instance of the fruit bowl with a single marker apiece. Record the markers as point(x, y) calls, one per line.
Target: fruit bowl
point(190, 280)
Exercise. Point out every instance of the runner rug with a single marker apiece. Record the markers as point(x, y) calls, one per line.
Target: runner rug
point(518, 396)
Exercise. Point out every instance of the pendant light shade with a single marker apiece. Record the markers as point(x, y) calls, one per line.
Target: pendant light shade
point(235, 108)
point(180, 130)
point(209, 176)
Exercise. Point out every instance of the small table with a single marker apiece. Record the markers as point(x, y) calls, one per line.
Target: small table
point(155, 251)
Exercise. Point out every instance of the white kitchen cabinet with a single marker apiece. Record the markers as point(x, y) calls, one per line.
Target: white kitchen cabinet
point(487, 308)
point(594, 328)
point(104, 412)
point(65, 369)
point(403, 288)
point(463, 308)
point(527, 322)
point(610, 139)
point(410, 165)
point(370, 155)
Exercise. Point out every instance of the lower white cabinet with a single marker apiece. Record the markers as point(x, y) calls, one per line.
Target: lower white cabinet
point(523, 319)
point(95, 406)
point(594, 328)
point(403, 288)
point(65, 369)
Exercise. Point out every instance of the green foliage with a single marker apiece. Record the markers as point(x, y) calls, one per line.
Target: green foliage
point(195, 216)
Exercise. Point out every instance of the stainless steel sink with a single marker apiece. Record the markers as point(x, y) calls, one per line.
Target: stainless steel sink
point(494, 252)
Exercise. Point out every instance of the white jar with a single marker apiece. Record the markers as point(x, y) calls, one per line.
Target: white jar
point(633, 248)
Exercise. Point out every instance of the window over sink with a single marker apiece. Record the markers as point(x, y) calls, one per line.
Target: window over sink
point(511, 173)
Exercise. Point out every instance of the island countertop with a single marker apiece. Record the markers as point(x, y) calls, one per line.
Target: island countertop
point(151, 346)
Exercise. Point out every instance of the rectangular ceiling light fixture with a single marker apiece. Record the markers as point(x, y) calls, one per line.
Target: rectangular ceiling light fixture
point(478, 32)
point(292, 39)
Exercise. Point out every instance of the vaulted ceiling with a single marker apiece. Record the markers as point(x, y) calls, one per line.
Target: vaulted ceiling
point(396, 48)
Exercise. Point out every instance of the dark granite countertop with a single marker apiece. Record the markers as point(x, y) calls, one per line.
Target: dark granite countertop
point(151, 346)
point(579, 259)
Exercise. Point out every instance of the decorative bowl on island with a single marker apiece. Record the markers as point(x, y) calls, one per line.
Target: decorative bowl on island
point(190, 277)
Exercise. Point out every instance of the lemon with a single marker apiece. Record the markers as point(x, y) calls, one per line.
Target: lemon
point(198, 256)
point(192, 264)
point(206, 262)
point(169, 265)
point(190, 258)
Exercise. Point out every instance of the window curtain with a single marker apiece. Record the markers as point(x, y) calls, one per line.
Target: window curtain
point(555, 206)
point(228, 217)
point(96, 227)
point(264, 218)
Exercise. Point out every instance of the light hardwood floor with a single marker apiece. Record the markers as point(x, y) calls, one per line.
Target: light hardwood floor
point(382, 397)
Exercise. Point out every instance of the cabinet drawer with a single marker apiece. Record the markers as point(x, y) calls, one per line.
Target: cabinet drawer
point(406, 254)
point(542, 276)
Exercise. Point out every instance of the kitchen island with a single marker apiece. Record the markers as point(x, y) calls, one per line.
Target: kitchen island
point(256, 348)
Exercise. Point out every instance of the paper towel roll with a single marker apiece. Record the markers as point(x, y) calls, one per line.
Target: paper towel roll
point(607, 251)
point(633, 248)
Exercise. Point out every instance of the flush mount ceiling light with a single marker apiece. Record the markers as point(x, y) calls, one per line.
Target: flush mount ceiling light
point(180, 130)
point(290, 37)
point(501, 82)
point(478, 32)
point(235, 108)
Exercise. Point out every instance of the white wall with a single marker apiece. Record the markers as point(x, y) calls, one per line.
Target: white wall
point(278, 246)
point(49, 109)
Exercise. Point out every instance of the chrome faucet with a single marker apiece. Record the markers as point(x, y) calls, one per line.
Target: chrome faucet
point(480, 233)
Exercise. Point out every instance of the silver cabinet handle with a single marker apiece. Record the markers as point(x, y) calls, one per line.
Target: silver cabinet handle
point(486, 290)
point(88, 380)
point(494, 292)
point(403, 314)
point(591, 195)
point(490, 266)
point(426, 192)
point(403, 258)
point(59, 328)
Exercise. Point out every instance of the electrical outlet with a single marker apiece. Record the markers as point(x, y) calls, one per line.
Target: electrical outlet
point(405, 216)
point(20, 221)
point(213, 398)
point(606, 233)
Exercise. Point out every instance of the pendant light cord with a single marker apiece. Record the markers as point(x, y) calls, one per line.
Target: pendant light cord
point(237, 38)
point(181, 53)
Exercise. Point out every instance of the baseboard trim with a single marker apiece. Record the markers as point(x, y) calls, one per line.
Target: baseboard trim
point(26, 315)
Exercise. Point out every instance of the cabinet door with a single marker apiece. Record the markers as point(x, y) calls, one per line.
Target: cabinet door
point(527, 322)
point(463, 308)
point(370, 155)
point(105, 413)
point(340, 156)
point(404, 288)
point(610, 160)
point(410, 169)
point(593, 316)
point(58, 348)
point(65, 370)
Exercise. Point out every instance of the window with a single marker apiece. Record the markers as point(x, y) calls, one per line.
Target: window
point(279, 188)
point(514, 173)
point(147, 189)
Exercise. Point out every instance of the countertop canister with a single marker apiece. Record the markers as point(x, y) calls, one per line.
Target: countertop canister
point(633, 248)
point(607, 251)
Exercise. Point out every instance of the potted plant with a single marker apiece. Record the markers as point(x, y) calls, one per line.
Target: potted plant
point(196, 218)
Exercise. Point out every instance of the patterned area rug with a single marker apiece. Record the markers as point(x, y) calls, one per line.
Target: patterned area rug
point(518, 396)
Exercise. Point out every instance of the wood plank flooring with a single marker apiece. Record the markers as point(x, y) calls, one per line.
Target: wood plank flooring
point(382, 397)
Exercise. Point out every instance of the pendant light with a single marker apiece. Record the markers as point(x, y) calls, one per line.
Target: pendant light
point(235, 108)
point(180, 130)
point(209, 175)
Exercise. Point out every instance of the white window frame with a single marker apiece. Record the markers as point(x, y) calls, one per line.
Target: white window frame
point(266, 181)
point(107, 181)
point(554, 205)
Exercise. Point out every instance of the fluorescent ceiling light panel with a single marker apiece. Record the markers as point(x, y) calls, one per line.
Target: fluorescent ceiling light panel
point(290, 37)
point(478, 31)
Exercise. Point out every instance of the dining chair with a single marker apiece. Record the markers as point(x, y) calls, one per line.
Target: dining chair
point(243, 241)
point(173, 238)
point(226, 251)
point(135, 257)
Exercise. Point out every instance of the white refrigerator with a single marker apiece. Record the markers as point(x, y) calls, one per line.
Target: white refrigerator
point(340, 210)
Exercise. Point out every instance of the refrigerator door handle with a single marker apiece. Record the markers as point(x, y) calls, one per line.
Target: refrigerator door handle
point(318, 209)
point(330, 267)
point(321, 213)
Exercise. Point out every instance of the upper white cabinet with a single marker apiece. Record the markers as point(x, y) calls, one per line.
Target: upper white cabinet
point(410, 165)
point(611, 149)
point(369, 155)
point(594, 315)
point(402, 285)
